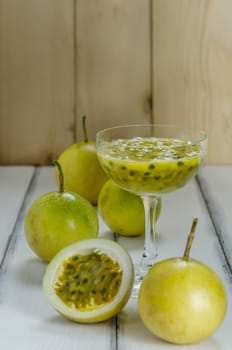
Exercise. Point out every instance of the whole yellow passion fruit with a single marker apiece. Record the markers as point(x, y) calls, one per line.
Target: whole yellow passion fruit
point(182, 300)
point(123, 211)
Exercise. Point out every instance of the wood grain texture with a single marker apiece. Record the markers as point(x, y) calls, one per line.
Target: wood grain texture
point(192, 69)
point(36, 88)
point(216, 187)
point(28, 322)
point(173, 227)
point(36, 325)
point(14, 183)
point(116, 62)
point(113, 63)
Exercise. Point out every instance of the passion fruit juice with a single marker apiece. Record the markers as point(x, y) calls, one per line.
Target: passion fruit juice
point(150, 165)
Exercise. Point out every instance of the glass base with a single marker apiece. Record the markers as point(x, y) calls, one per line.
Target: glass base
point(136, 286)
point(140, 272)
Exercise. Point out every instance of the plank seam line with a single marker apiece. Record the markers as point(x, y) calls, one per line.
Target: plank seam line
point(75, 79)
point(116, 332)
point(3, 263)
point(151, 62)
point(217, 231)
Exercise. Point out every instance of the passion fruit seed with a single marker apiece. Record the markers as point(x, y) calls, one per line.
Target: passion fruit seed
point(88, 281)
point(131, 163)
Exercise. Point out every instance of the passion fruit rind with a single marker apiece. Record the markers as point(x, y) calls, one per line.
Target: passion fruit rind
point(89, 281)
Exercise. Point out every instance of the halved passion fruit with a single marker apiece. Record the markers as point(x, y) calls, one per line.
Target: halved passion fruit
point(89, 281)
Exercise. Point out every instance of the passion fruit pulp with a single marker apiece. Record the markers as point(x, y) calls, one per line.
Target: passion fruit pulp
point(89, 281)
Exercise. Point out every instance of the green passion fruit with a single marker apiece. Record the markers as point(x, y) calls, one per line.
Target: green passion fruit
point(89, 281)
point(57, 219)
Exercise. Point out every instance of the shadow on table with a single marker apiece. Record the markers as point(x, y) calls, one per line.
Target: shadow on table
point(132, 331)
point(30, 272)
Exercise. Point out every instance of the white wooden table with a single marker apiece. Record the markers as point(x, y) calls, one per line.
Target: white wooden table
point(27, 321)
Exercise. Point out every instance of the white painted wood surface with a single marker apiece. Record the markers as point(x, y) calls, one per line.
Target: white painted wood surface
point(28, 322)
point(14, 182)
point(216, 183)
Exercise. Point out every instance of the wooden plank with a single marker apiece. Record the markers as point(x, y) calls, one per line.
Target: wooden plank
point(62, 59)
point(37, 326)
point(23, 306)
point(14, 182)
point(113, 63)
point(179, 209)
point(215, 184)
point(36, 86)
point(192, 69)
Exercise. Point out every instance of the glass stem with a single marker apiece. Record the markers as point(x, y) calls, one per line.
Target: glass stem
point(150, 250)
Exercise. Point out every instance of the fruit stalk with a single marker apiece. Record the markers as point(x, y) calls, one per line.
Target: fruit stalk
point(190, 238)
point(61, 176)
point(84, 129)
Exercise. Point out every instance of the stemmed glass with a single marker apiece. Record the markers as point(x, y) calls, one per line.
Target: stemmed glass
point(150, 160)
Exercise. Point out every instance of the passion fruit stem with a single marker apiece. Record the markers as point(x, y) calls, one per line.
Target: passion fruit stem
point(190, 238)
point(84, 129)
point(61, 176)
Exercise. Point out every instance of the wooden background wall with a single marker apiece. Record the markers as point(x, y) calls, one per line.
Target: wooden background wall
point(116, 61)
